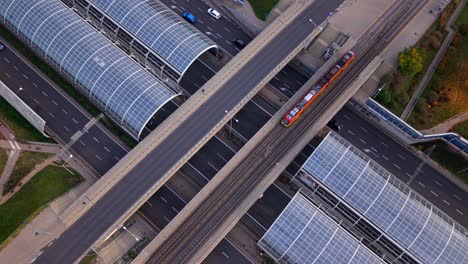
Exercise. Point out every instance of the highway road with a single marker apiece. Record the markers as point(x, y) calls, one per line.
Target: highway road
point(87, 229)
point(205, 220)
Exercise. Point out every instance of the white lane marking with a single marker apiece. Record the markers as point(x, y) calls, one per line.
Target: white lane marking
point(16, 68)
point(17, 145)
point(210, 28)
point(228, 42)
point(199, 9)
point(7, 75)
point(212, 166)
point(55, 103)
point(162, 198)
point(225, 28)
point(25, 76)
point(385, 157)
point(219, 155)
point(66, 128)
point(35, 100)
point(362, 141)
point(115, 157)
point(298, 82)
point(347, 117)
point(398, 167)
point(276, 78)
point(363, 129)
point(174, 209)
point(438, 183)
point(219, 35)
point(401, 157)
point(95, 139)
point(458, 211)
point(150, 204)
point(435, 194)
point(165, 218)
point(199, 172)
point(74, 120)
point(82, 143)
point(51, 114)
point(446, 202)
point(35, 85)
point(373, 149)
point(6, 59)
point(201, 22)
point(99, 158)
point(287, 86)
point(106, 149)
point(383, 144)
point(224, 254)
point(44, 93)
point(457, 197)
point(65, 112)
point(351, 132)
point(204, 78)
point(409, 175)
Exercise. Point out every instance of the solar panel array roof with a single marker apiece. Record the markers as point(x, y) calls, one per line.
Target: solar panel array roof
point(414, 223)
point(304, 234)
point(121, 88)
point(160, 29)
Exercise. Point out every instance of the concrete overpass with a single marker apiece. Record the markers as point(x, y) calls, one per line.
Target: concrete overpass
point(197, 229)
point(119, 193)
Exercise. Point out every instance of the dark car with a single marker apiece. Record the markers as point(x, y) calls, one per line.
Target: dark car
point(239, 43)
point(334, 125)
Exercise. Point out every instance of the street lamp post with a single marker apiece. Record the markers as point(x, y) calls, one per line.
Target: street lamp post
point(69, 157)
point(19, 90)
point(137, 238)
point(230, 124)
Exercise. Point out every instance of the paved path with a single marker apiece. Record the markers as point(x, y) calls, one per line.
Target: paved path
point(447, 125)
point(435, 62)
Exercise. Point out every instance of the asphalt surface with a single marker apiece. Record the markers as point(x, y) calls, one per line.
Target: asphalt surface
point(86, 230)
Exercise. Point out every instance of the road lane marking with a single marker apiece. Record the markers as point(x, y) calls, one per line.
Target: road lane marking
point(66, 128)
point(420, 183)
point(162, 198)
point(363, 129)
point(174, 209)
point(55, 103)
point(347, 117)
point(224, 254)
point(228, 42)
point(276, 78)
point(74, 120)
point(51, 115)
point(446, 202)
point(201, 22)
point(106, 149)
point(199, 9)
point(401, 157)
point(6, 59)
point(17, 145)
point(219, 35)
point(351, 132)
point(458, 211)
point(150, 204)
point(287, 86)
point(65, 112)
point(438, 183)
point(35, 85)
point(362, 141)
point(435, 194)
point(7, 75)
point(44, 93)
point(210, 28)
point(115, 157)
point(398, 167)
point(373, 149)
point(11, 144)
point(199, 172)
point(204, 78)
point(211, 165)
point(95, 139)
point(16, 68)
point(219, 155)
point(225, 28)
point(409, 175)
point(384, 144)
point(385, 157)
point(25, 76)
point(457, 197)
point(99, 158)
point(165, 218)
point(82, 143)
point(35, 100)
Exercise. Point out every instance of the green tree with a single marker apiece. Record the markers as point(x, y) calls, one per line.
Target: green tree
point(410, 61)
point(385, 97)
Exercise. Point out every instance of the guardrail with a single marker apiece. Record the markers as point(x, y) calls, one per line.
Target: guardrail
point(454, 139)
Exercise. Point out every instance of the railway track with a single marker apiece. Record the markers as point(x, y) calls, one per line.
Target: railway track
point(183, 244)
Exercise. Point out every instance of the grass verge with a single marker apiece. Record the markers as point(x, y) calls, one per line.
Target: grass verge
point(447, 158)
point(3, 160)
point(44, 187)
point(262, 8)
point(446, 94)
point(24, 165)
point(23, 130)
point(461, 129)
point(89, 258)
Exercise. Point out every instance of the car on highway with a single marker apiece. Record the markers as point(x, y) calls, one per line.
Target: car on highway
point(334, 125)
point(239, 43)
point(189, 17)
point(214, 13)
point(2, 47)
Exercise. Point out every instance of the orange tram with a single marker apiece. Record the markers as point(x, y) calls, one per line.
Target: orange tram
point(317, 89)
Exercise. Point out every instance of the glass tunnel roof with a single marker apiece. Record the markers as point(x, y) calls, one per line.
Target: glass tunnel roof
point(121, 88)
point(304, 234)
point(159, 28)
point(414, 223)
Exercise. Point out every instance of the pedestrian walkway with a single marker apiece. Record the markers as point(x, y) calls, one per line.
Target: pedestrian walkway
point(435, 62)
point(447, 125)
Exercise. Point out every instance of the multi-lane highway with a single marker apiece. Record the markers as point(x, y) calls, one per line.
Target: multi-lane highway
point(204, 221)
point(87, 229)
